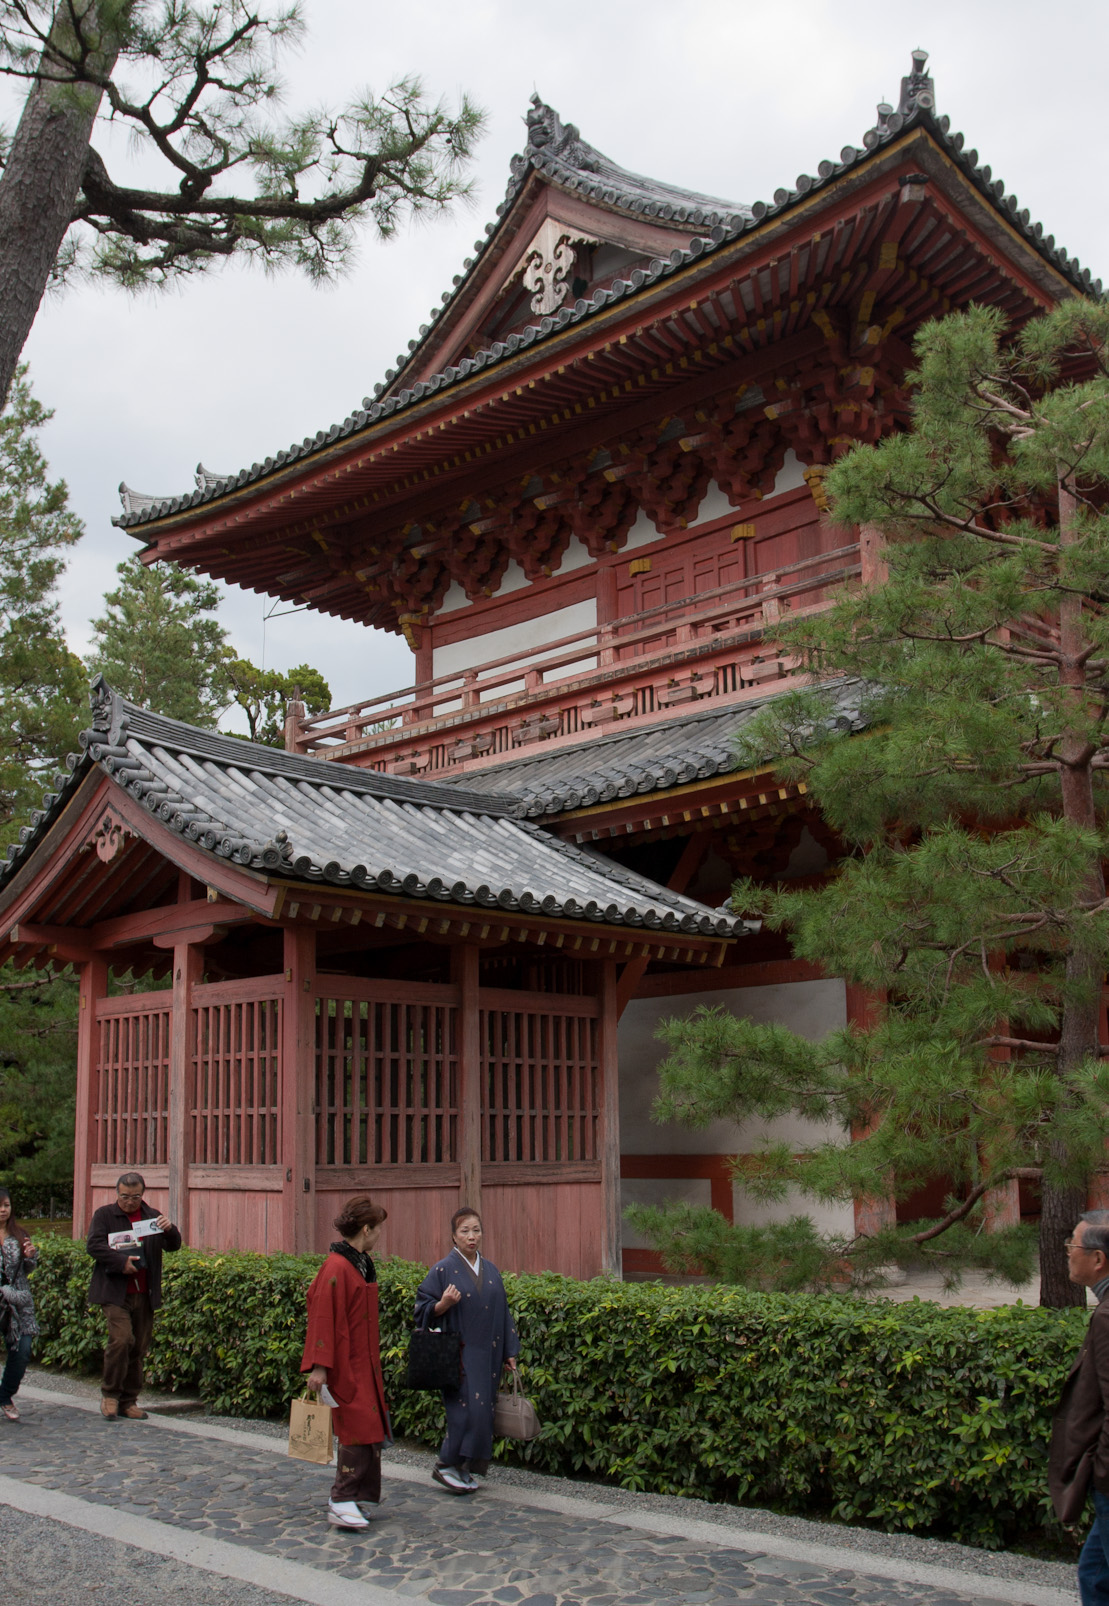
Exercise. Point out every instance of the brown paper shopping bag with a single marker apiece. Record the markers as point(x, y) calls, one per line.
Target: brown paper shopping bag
point(310, 1435)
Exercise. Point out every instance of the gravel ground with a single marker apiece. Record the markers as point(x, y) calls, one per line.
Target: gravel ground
point(51, 1565)
point(861, 1542)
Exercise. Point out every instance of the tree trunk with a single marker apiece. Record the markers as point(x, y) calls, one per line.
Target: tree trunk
point(1060, 1209)
point(39, 186)
point(1081, 1017)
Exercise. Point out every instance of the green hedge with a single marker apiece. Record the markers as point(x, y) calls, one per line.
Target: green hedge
point(906, 1416)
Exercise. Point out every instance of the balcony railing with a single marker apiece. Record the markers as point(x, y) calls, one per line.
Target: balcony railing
point(711, 645)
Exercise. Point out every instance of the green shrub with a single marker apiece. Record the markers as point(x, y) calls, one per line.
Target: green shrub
point(906, 1416)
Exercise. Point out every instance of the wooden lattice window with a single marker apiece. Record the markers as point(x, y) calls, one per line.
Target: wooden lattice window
point(132, 1080)
point(541, 1083)
point(386, 1078)
point(236, 1079)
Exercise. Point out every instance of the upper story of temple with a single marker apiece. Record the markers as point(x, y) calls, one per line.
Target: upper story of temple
point(592, 486)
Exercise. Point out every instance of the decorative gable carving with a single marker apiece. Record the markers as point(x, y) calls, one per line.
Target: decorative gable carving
point(548, 262)
point(109, 836)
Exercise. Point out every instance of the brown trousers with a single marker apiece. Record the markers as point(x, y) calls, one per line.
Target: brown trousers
point(130, 1328)
point(358, 1473)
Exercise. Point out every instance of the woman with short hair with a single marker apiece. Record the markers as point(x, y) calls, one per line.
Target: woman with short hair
point(463, 1293)
point(17, 1258)
point(342, 1354)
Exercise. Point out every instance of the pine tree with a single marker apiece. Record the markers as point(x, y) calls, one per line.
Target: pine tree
point(38, 1054)
point(41, 685)
point(40, 679)
point(973, 804)
point(198, 89)
point(160, 644)
point(264, 696)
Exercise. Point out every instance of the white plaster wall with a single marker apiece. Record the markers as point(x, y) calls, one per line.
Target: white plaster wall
point(642, 533)
point(812, 1008)
point(826, 1217)
point(513, 579)
point(454, 599)
point(576, 556)
point(526, 638)
point(714, 505)
point(681, 1190)
point(791, 475)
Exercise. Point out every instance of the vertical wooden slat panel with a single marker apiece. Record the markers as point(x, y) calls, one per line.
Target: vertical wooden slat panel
point(386, 1078)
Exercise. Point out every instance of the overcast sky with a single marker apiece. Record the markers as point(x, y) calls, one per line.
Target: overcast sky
point(730, 97)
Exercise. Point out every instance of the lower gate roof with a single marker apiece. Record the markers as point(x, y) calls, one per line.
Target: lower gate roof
point(692, 745)
point(310, 820)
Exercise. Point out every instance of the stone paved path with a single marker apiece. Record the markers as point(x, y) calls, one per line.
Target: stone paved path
point(502, 1547)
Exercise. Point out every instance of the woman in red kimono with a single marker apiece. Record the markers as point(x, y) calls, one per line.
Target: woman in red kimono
point(342, 1355)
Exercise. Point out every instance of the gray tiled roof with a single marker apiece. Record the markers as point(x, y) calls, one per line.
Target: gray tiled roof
point(563, 164)
point(690, 746)
point(311, 820)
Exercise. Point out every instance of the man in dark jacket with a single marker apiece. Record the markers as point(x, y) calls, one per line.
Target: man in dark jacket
point(1081, 1422)
point(128, 1291)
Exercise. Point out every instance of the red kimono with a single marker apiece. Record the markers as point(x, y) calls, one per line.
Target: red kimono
point(343, 1336)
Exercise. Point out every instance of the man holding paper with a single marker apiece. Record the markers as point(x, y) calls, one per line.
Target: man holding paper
point(126, 1240)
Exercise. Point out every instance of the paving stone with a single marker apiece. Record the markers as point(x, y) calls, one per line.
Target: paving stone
point(450, 1551)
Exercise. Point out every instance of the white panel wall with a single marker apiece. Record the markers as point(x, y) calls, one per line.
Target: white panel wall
point(686, 1190)
point(529, 638)
point(812, 1008)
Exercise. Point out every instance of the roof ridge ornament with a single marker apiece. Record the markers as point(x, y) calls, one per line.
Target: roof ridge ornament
point(101, 701)
point(917, 90)
point(137, 501)
point(549, 136)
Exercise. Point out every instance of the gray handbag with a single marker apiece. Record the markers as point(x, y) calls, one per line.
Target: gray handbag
point(514, 1415)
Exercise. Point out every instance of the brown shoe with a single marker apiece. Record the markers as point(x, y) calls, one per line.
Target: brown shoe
point(135, 1412)
point(109, 1408)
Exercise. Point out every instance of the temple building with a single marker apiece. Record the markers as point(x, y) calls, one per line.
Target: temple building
point(426, 949)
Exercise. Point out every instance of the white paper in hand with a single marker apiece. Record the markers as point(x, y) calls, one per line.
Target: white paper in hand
point(140, 1229)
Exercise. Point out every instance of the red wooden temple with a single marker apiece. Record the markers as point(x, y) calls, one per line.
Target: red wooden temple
point(586, 495)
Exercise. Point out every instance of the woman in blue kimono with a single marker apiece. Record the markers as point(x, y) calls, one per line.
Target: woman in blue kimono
point(463, 1293)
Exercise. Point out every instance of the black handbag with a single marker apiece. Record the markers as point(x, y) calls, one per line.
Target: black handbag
point(434, 1359)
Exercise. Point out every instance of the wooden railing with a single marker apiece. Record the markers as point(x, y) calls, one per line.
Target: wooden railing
point(682, 651)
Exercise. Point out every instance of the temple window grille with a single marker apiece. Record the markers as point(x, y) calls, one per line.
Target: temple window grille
point(131, 1094)
point(541, 1084)
point(236, 1080)
point(386, 1078)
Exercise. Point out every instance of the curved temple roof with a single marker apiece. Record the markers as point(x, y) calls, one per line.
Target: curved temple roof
point(557, 152)
point(698, 746)
point(310, 820)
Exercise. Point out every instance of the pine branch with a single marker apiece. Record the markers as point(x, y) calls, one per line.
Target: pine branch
point(961, 1211)
point(22, 986)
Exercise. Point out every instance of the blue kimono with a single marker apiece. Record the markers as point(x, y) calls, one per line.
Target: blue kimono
point(489, 1339)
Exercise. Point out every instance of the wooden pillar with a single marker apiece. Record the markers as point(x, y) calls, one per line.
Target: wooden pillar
point(93, 987)
point(880, 1210)
point(609, 1060)
point(295, 713)
point(464, 972)
point(606, 613)
point(875, 570)
point(297, 1142)
point(1097, 1194)
point(1001, 1206)
point(187, 969)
